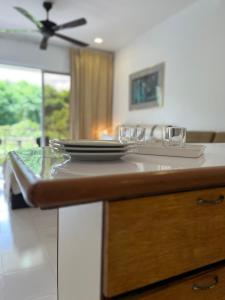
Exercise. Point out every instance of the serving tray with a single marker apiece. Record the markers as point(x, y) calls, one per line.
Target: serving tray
point(188, 150)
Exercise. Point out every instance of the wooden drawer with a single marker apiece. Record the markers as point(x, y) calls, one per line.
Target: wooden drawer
point(206, 286)
point(151, 239)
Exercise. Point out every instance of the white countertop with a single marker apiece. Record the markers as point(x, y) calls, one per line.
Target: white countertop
point(50, 179)
point(134, 163)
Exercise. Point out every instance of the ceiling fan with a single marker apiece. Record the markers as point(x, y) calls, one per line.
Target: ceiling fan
point(48, 28)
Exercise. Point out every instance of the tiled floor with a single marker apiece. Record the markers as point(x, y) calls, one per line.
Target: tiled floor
point(28, 253)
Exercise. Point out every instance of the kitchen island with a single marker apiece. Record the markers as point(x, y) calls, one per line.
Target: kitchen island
point(149, 227)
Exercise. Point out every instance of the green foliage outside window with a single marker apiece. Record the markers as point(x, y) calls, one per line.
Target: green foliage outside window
point(19, 101)
point(56, 113)
point(20, 109)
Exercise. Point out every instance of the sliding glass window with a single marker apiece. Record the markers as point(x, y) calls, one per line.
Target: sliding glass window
point(20, 108)
point(56, 95)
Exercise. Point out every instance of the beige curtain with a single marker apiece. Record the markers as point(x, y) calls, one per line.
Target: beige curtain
point(91, 94)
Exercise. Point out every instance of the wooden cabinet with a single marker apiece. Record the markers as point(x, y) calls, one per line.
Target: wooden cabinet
point(151, 239)
point(207, 286)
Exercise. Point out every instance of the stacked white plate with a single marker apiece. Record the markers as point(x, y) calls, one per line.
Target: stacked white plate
point(91, 150)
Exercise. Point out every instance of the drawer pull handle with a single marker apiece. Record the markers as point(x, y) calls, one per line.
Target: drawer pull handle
point(218, 200)
point(215, 281)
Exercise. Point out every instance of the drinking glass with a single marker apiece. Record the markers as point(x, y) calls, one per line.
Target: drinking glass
point(133, 134)
point(174, 136)
point(140, 134)
point(124, 134)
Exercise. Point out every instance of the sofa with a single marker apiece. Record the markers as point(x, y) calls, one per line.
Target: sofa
point(205, 137)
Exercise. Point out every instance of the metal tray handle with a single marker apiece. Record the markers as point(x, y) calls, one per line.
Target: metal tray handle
point(218, 200)
point(214, 282)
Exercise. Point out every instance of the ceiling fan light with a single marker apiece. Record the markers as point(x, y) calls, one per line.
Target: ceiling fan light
point(98, 40)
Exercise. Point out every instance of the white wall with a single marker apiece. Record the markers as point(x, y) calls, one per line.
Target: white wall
point(28, 54)
point(192, 43)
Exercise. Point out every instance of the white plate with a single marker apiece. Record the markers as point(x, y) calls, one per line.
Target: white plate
point(90, 149)
point(87, 143)
point(96, 156)
point(95, 152)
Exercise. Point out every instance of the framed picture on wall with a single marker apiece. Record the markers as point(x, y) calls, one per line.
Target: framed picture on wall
point(147, 87)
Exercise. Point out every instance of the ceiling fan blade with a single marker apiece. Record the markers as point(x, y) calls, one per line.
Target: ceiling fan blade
point(26, 14)
point(44, 43)
point(71, 24)
point(68, 39)
point(16, 31)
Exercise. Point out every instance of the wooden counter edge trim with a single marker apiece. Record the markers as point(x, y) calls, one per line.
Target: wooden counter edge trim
point(64, 192)
point(25, 178)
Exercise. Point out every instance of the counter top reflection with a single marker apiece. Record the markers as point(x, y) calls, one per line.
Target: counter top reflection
point(51, 179)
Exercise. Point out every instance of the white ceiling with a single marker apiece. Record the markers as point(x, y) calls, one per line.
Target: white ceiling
point(118, 22)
